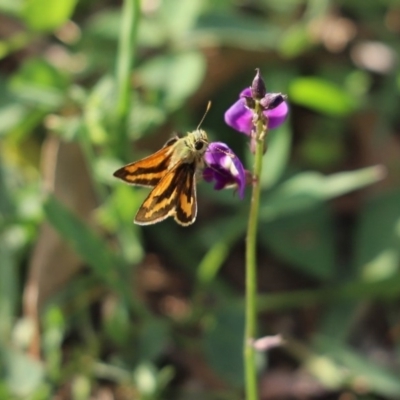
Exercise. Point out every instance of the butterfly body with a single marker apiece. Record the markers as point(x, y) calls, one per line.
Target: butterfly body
point(171, 172)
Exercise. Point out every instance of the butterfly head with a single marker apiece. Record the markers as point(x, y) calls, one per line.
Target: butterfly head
point(199, 141)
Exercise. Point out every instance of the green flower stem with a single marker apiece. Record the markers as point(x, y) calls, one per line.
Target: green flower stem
point(251, 266)
point(125, 60)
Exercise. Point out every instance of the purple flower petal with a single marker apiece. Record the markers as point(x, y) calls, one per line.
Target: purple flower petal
point(277, 115)
point(239, 117)
point(224, 168)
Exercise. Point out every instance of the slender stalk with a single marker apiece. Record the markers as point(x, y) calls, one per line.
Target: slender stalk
point(251, 267)
point(125, 60)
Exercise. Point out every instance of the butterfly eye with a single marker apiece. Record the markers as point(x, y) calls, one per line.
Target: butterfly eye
point(199, 145)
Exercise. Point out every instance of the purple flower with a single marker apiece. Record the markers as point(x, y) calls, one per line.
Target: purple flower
point(224, 167)
point(239, 117)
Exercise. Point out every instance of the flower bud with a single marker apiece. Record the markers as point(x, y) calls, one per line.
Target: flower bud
point(258, 89)
point(272, 100)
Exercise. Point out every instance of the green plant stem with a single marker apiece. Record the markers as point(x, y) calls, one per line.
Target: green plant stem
point(251, 269)
point(125, 61)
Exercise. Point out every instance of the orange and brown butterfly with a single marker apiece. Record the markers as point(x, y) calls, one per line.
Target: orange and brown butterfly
point(171, 172)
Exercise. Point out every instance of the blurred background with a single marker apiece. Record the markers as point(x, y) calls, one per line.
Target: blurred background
point(95, 307)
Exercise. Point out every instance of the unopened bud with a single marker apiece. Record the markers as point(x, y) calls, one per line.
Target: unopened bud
point(272, 100)
point(258, 89)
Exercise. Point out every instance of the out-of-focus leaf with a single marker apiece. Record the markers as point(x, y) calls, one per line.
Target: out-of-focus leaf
point(295, 40)
point(44, 15)
point(378, 237)
point(104, 25)
point(144, 118)
point(175, 76)
point(11, 111)
point(146, 379)
point(81, 387)
point(39, 72)
point(218, 245)
point(306, 240)
point(98, 109)
point(324, 146)
point(360, 370)
point(39, 83)
point(11, 115)
point(54, 330)
point(117, 215)
point(385, 289)
point(308, 189)
point(153, 339)
point(11, 6)
point(87, 244)
point(179, 16)
point(7, 205)
point(8, 287)
point(235, 30)
point(150, 381)
point(278, 152)
point(338, 318)
point(116, 322)
point(4, 391)
point(322, 96)
point(300, 193)
point(22, 374)
point(222, 342)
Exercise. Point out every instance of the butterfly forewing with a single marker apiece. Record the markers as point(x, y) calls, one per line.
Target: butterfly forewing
point(150, 170)
point(175, 195)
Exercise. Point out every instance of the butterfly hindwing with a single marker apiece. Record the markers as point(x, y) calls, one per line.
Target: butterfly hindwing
point(186, 205)
point(173, 196)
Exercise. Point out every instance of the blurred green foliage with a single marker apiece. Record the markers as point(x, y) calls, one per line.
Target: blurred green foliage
point(157, 313)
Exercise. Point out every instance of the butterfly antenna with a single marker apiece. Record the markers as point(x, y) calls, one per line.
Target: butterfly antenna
point(205, 113)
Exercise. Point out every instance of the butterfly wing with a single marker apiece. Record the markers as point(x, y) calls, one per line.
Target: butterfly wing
point(175, 195)
point(150, 170)
point(186, 205)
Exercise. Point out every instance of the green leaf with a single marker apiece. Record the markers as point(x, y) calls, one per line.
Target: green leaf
point(300, 193)
point(117, 215)
point(98, 109)
point(358, 369)
point(86, 243)
point(153, 339)
point(387, 289)
point(105, 25)
point(10, 116)
point(295, 40)
point(39, 83)
point(377, 251)
point(45, 16)
point(218, 245)
point(11, 6)
point(8, 287)
point(117, 324)
point(22, 374)
point(279, 141)
point(179, 16)
point(11, 111)
point(322, 96)
point(222, 344)
point(176, 76)
point(305, 240)
point(308, 189)
point(54, 327)
point(237, 31)
point(7, 205)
